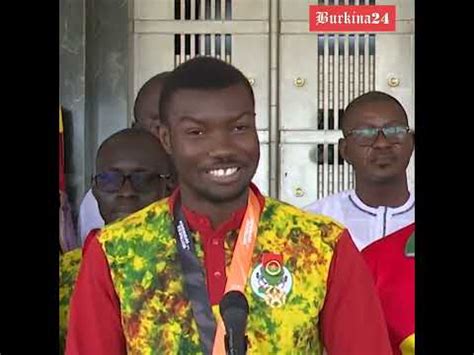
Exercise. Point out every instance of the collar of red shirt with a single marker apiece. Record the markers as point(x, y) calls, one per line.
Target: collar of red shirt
point(202, 223)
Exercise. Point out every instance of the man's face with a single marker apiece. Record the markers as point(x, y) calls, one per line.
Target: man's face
point(212, 138)
point(148, 112)
point(142, 164)
point(385, 159)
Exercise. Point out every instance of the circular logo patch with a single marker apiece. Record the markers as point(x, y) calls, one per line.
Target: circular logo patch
point(271, 283)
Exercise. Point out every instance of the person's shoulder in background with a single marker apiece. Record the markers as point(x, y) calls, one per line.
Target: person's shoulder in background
point(331, 206)
point(89, 216)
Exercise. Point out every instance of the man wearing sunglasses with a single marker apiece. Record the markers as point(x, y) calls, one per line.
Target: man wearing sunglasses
point(145, 112)
point(378, 143)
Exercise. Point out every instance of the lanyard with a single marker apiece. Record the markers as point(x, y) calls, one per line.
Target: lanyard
point(193, 274)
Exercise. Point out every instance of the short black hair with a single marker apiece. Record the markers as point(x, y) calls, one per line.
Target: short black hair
point(157, 79)
point(202, 73)
point(371, 97)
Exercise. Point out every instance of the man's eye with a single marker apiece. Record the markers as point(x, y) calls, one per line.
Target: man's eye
point(194, 132)
point(365, 132)
point(240, 128)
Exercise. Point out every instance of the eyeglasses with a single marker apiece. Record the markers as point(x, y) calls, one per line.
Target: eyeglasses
point(141, 181)
point(368, 136)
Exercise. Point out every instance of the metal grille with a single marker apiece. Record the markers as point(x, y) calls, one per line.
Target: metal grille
point(345, 70)
point(187, 46)
point(203, 9)
point(190, 45)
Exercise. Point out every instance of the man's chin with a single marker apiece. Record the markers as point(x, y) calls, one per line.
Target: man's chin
point(222, 194)
point(120, 215)
point(384, 176)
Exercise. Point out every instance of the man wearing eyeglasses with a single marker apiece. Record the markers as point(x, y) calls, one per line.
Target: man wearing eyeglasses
point(379, 213)
point(133, 170)
point(145, 111)
point(378, 143)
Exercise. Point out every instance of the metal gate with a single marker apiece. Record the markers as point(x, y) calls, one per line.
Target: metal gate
point(302, 81)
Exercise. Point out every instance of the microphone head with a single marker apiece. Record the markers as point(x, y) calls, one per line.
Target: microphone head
point(234, 310)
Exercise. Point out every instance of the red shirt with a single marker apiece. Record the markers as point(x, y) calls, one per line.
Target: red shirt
point(394, 275)
point(351, 320)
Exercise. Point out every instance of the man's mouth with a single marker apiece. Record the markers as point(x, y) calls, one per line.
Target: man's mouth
point(224, 174)
point(384, 160)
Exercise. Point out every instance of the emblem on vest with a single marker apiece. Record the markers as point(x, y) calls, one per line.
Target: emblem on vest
point(271, 280)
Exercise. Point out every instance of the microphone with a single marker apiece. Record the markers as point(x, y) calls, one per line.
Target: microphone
point(234, 310)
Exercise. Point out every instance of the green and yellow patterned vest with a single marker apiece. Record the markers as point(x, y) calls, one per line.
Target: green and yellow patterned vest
point(156, 317)
point(69, 264)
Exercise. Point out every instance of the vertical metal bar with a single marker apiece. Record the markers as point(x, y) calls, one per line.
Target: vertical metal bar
point(366, 64)
point(371, 72)
point(182, 13)
point(325, 170)
point(202, 46)
point(217, 43)
point(337, 170)
point(346, 71)
point(193, 13)
point(318, 106)
point(188, 56)
point(336, 82)
point(228, 43)
point(356, 65)
point(222, 12)
point(326, 116)
point(336, 112)
point(228, 14)
point(202, 13)
point(320, 171)
point(330, 175)
point(213, 10)
point(351, 72)
point(274, 155)
point(326, 81)
point(213, 45)
point(330, 77)
point(222, 45)
point(320, 81)
point(192, 48)
point(177, 59)
point(317, 73)
point(372, 63)
point(346, 101)
point(182, 49)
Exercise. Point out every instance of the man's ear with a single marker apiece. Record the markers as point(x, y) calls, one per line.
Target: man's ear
point(165, 137)
point(155, 128)
point(343, 150)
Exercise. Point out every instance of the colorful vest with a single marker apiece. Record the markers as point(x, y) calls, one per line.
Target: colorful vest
point(157, 318)
point(69, 264)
